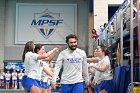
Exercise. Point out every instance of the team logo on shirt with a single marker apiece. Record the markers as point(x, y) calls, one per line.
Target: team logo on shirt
point(74, 60)
point(41, 63)
point(47, 22)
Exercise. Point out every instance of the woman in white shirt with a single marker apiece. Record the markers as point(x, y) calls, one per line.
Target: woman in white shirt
point(7, 77)
point(46, 78)
point(1, 78)
point(40, 49)
point(32, 67)
point(103, 78)
point(20, 75)
point(14, 79)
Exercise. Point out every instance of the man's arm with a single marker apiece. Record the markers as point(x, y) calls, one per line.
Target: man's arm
point(85, 69)
point(57, 68)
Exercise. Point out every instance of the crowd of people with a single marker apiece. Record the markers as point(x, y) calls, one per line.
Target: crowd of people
point(11, 80)
point(79, 75)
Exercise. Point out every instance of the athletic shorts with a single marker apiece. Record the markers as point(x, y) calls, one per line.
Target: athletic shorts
point(105, 84)
point(24, 81)
point(20, 80)
point(8, 81)
point(44, 85)
point(14, 80)
point(72, 88)
point(2, 80)
point(32, 82)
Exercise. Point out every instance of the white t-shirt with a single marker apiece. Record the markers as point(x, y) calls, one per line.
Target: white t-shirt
point(7, 76)
point(2, 75)
point(74, 65)
point(44, 76)
point(30, 58)
point(20, 75)
point(33, 66)
point(14, 76)
point(36, 70)
point(100, 76)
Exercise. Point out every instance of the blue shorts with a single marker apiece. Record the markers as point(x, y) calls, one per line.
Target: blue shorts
point(20, 80)
point(14, 80)
point(72, 88)
point(2, 80)
point(23, 81)
point(48, 84)
point(32, 82)
point(8, 81)
point(44, 85)
point(105, 84)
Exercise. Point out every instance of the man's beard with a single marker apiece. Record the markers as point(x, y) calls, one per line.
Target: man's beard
point(73, 47)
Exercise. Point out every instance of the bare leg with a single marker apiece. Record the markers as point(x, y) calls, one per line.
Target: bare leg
point(35, 89)
point(13, 83)
point(20, 85)
point(85, 91)
point(0, 84)
point(7, 85)
point(49, 89)
point(103, 91)
point(90, 90)
point(44, 90)
point(26, 91)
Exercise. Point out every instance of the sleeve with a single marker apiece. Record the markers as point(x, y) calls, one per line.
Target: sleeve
point(107, 61)
point(85, 67)
point(57, 67)
point(34, 56)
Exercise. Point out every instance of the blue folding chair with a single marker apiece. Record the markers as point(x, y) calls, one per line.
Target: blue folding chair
point(124, 79)
point(116, 81)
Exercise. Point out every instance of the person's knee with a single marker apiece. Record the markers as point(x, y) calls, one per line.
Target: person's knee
point(35, 89)
point(103, 91)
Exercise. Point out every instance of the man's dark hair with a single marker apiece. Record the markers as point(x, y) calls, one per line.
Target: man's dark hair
point(71, 36)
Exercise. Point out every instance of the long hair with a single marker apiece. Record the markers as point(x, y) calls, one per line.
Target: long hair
point(29, 47)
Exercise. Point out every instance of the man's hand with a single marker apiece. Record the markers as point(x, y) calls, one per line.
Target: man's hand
point(53, 85)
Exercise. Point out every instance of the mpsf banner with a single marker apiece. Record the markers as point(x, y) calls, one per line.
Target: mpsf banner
point(45, 23)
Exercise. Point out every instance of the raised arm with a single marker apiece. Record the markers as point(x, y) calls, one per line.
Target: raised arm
point(93, 59)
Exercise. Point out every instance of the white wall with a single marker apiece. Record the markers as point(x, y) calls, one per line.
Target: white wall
point(101, 11)
point(2, 22)
point(14, 52)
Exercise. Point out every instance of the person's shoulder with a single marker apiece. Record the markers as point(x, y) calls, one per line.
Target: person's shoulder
point(29, 53)
point(80, 50)
point(65, 50)
point(106, 57)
